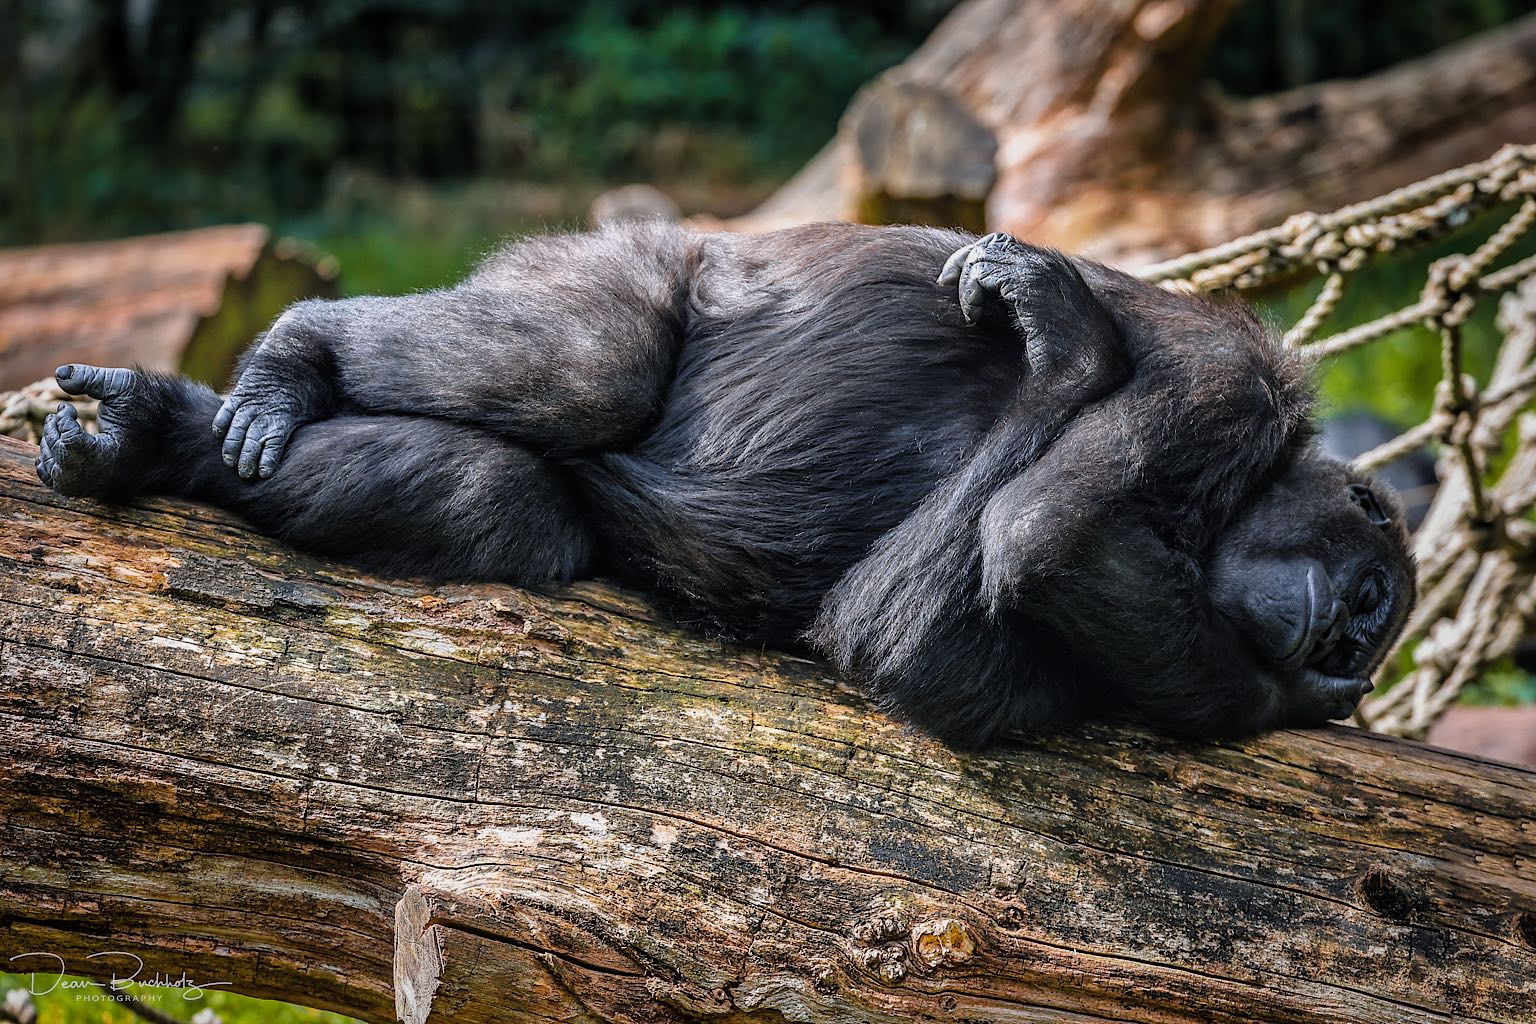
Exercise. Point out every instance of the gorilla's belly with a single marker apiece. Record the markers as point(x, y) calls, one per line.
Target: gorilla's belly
point(781, 455)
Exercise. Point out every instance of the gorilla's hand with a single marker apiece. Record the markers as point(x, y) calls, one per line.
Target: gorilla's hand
point(999, 266)
point(1312, 698)
point(284, 383)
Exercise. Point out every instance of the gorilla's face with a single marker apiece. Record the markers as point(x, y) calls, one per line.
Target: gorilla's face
point(1316, 575)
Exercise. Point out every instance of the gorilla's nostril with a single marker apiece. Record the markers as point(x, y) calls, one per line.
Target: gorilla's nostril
point(1340, 621)
point(1329, 632)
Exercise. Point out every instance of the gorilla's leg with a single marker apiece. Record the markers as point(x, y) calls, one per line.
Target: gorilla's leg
point(564, 343)
point(401, 494)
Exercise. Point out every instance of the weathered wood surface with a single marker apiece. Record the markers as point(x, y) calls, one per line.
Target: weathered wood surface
point(480, 804)
point(1110, 143)
point(186, 301)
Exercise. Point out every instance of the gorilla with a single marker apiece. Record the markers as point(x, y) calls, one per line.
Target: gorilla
point(1002, 487)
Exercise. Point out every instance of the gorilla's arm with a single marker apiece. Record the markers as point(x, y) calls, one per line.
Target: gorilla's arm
point(1082, 516)
point(563, 343)
point(910, 617)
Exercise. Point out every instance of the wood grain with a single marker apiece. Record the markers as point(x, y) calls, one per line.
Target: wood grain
point(474, 803)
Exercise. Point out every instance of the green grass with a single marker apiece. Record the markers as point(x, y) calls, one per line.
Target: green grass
point(395, 237)
point(86, 1003)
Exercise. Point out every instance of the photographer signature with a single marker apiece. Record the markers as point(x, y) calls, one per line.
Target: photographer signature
point(53, 978)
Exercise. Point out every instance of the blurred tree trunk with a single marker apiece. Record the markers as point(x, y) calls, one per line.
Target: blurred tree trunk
point(1108, 143)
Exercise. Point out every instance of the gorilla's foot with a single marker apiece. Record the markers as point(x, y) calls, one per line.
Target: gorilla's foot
point(1315, 698)
point(1069, 337)
point(109, 464)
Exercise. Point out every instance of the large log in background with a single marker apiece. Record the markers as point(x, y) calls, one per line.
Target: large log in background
point(474, 803)
point(180, 302)
point(1110, 143)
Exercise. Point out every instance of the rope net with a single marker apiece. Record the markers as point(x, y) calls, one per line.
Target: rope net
point(1477, 545)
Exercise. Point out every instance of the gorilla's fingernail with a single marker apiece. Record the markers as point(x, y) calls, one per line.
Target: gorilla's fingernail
point(64, 372)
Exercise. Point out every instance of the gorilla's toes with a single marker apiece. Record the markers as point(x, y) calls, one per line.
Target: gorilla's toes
point(72, 461)
point(100, 382)
point(112, 462)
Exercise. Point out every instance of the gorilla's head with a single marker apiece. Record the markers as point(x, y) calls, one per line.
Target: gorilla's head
point(1317, 576)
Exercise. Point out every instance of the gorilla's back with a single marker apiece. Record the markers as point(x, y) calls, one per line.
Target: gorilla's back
point(825, 385)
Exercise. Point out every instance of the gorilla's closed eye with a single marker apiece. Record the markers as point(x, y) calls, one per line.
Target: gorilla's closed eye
point(1366, 499)
point(1369, 595)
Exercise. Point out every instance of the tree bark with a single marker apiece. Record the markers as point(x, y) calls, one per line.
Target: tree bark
point(474, 803)
point(1109, 144)
point(183, 302)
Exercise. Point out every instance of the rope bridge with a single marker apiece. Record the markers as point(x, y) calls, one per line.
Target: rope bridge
point(1477, 545)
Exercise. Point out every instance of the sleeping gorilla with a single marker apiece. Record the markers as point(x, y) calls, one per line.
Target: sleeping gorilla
point(1003, 487)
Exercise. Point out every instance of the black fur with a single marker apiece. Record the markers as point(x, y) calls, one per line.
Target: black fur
point(1038, 490)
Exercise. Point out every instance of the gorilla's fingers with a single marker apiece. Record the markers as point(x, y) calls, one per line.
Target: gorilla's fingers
point(950, 275)
point(234, 437)
point(272, 448)
point(94, 381)
point(973, 294)
point(250, 457)
point(1319, 698)
point(226, 413)
point(979, 269)
point(262, 449)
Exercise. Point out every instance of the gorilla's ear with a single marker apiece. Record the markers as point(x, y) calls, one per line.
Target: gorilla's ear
point(1366, 498)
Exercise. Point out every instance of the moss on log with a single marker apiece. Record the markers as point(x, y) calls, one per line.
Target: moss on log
point(474, 803)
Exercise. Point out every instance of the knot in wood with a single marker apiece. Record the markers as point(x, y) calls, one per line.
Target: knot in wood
point(883, 928)
point(942, 943)
point(1387, 894)
point(888, 963)
point(879, 948)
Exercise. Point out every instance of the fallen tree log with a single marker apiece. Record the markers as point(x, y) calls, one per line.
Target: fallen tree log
point(474, 803)
point(1109, 142)
point(181, 302)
